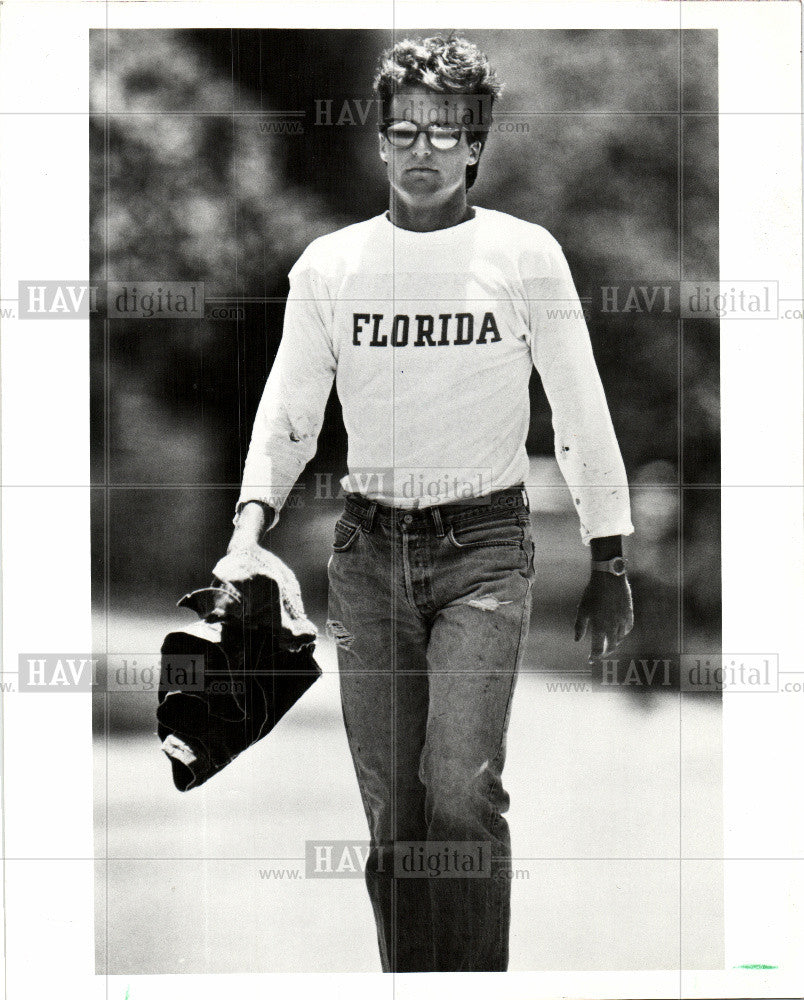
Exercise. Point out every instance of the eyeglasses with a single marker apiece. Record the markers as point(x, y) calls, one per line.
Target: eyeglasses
point(403, 134)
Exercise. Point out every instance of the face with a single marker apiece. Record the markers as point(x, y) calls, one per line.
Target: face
point(422, 174)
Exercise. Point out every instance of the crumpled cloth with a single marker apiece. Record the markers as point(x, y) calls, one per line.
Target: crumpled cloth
point(251, 659)
point(253, 585)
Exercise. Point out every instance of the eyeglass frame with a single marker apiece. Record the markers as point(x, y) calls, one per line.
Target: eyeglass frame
point(460, 129)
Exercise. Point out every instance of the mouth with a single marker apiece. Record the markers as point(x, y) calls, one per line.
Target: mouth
point(421, 170)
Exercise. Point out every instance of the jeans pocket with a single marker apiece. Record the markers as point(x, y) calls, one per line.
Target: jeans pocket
point(485, 534)
point(345, 535)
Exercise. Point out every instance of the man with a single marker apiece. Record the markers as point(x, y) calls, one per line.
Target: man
point(430, 317)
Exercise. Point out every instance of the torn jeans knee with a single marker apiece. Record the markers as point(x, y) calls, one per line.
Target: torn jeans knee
point(488, 603)
point(340, 633)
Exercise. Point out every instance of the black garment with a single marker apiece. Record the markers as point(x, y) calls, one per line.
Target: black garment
point(225, 684)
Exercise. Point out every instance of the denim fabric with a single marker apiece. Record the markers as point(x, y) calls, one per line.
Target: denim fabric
point(430, 610)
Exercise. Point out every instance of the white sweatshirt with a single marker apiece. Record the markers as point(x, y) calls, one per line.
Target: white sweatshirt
point(430, 338)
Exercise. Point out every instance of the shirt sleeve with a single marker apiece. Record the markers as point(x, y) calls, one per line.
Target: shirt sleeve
point(585, 444)
point(290, 413)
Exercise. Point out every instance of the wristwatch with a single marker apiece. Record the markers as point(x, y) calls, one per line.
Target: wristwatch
point(615, 566)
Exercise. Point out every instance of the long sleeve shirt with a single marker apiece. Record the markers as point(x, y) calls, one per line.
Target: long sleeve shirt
point(431, 338)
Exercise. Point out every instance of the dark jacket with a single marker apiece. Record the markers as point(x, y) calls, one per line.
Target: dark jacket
point(227, 680)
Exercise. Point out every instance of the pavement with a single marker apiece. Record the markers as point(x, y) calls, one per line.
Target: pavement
point(615, 816)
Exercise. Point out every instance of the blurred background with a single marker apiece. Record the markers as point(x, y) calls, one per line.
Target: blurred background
point(216, 157)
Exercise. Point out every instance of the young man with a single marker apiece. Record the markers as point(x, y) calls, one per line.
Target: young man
point(430, 317)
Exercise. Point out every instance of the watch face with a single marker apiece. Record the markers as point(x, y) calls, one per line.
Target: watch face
point(618, 566)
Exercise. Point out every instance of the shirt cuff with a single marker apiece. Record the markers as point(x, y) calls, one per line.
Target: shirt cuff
point(606, 530)
point(270, 501)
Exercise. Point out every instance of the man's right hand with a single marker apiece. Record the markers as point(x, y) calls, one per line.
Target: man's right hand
point(252, 521)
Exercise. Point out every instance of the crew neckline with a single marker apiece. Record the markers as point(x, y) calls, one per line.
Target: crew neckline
point(432, 233)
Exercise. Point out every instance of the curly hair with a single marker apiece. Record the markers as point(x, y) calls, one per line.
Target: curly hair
point(445, 65)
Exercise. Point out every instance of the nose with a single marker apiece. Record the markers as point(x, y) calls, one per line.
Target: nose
point(421, 145)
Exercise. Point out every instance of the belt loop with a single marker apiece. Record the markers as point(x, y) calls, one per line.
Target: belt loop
point(369, 517)
point(439, 526)
point(526, 498)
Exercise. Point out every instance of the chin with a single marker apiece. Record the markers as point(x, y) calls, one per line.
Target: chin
point(422, 184)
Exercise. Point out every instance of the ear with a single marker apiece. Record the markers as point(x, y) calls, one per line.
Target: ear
point(475, 149)
point(383, 147)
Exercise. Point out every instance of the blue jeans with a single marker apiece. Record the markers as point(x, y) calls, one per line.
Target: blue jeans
point(430, 610)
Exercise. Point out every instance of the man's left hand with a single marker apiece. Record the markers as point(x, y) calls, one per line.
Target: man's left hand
point(606, 610)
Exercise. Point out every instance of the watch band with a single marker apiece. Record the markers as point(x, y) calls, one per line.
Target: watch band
point(615, 566)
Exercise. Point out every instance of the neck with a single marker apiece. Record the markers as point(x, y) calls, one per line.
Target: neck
point(427, 218)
